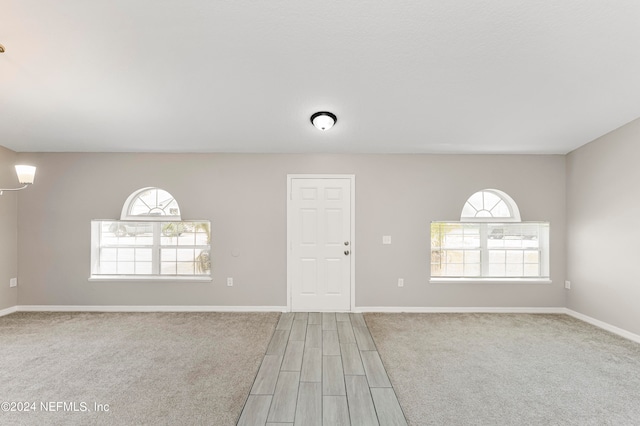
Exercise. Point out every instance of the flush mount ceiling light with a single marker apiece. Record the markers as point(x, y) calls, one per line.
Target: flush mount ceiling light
point(323, 120)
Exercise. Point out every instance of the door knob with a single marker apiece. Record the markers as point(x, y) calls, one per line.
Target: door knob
point(346, 252)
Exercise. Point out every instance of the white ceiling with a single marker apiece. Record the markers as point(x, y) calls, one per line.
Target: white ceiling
point(413, 76)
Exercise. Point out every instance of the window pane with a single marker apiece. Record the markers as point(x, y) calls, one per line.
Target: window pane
point(472, 256)
point(496, 256)
point(472, 270)
point(514, 256)
point(455, 270)
point(168, 255)
point(203, 261)
point(126, 268)
point(496, 270)
point(490, 201)
point(531, 256)
point(144, 268)
point(468, 210)
point(126, 254)
point(185, 255)
point(454, 256)
point(501, 210)
point(143, 255)
point(168, 268)
point(514, 270)
point(108, 254)
point(186, 268)
point(531, 270)
point(476, 201)
point(108, 268)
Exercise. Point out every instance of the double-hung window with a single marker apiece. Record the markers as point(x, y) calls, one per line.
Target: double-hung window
point(151, 241)
point(490, 242)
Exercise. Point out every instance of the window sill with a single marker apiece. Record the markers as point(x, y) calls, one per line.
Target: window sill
point(490, 280)
point(149, 278)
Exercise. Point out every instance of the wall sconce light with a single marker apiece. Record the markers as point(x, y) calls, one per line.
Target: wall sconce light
point(26, 175)
point(1, 48)
point(323, 120)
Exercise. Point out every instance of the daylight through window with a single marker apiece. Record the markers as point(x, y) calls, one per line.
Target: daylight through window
point(489, 243)
point(152, 245)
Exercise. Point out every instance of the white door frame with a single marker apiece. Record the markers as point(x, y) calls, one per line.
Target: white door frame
point(352, 238)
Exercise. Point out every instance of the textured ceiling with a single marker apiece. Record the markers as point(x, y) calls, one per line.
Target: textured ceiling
point(423, 76)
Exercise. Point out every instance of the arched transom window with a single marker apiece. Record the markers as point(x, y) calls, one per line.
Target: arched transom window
point(150, 204)
point(490, 205)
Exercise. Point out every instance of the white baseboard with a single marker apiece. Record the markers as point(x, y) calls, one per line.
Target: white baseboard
point(459, 310)
point(150, 308)
point(605, 326)
point(8, 311)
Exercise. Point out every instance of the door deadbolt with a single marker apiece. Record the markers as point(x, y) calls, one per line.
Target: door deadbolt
point(346, 243)
point(346, 252)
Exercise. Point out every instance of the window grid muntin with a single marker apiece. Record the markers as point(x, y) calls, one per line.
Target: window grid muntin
point(199, 230)
point(448, 261)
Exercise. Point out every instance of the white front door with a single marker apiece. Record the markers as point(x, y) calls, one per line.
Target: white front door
point(320, 244)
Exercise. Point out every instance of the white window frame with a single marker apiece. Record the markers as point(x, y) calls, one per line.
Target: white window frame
point(154, 219)
point(156, 247)
point(482, 222)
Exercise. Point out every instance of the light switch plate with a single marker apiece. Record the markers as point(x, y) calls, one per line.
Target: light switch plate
point(386, 239)
point(13, 282)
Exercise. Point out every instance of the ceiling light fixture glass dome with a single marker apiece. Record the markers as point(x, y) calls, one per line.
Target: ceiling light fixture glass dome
point(323, 120)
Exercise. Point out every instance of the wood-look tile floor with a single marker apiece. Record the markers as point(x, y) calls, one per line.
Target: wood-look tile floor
point(322, 369)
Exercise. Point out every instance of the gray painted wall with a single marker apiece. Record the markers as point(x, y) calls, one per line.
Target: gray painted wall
point(244, 195)
point(8, 229)
point(603, 208)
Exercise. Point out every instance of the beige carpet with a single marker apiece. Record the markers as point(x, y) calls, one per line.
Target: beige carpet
point(508, 369)
point(150, 368)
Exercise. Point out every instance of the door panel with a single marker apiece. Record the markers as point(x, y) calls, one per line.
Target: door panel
point(320, 277)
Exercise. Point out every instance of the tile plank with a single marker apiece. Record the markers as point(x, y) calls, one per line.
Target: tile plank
point(335, 411)
point(351, 362)
point(330, 343)
point(267, 377)
point(301, 316)
point(309, 408)
point(329, 321)
point(293, 356)
point(342, 316)
point(357, 320)
point(298, 330)
point(311, 365)
point(332, 376)
point(363, 338)
point(373, 368)
point(283, 404)
point(387, 407)
point(345, 332)
point(278, 342)
point(314, 336)
point(255, 410)
point(361, 409)
point(315, 318)
point(285, 321)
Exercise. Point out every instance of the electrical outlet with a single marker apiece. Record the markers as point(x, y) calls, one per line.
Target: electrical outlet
point(400, 282)
point(229, 282)
point(386, 239)
point(13, 282)
point(567, 285)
